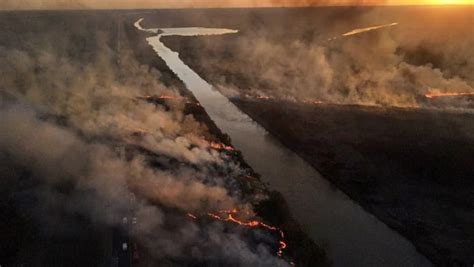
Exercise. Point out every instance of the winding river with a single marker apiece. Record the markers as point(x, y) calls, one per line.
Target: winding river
point(351, 236)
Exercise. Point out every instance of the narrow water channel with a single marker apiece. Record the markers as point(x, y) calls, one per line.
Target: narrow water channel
point(351, 236)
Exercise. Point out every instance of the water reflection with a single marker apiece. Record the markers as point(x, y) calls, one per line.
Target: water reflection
point(353, 236)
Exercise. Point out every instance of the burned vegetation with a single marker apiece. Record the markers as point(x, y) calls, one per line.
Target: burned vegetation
point(107, 159)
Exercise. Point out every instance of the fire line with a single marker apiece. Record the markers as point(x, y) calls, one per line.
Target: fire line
point(433, 95)
point(230, 216)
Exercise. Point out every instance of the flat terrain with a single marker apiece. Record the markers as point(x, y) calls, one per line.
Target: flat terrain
point(36, 233)
point(302, 250)
point(411, 168)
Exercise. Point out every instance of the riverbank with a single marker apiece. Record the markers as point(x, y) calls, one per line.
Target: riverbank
point(273, 209)
point(411, 168)
point(311, 199)
point(47, 232)
point(412, 173)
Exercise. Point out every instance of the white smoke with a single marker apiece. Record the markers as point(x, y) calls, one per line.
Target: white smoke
point(373, 65)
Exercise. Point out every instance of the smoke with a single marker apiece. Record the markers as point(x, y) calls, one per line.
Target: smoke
point(73, 124)
point(81, 4)
point(394, 66)
point(307, 3)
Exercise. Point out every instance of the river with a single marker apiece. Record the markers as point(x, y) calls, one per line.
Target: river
point(351, 236)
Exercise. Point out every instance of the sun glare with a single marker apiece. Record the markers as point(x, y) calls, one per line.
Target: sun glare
point(453, 2)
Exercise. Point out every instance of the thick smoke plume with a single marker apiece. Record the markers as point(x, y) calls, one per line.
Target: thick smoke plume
point(395, 66)
point(95, 149)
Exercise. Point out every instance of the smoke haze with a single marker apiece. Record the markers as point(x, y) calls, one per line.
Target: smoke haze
point(127, 4)
point(394, 65)
point(71, 119)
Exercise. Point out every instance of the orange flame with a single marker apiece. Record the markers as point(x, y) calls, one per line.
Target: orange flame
point(231, 217)
point(218, 146)
point(433, 95)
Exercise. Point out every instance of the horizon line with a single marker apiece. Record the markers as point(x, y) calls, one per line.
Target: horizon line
point(236, 7)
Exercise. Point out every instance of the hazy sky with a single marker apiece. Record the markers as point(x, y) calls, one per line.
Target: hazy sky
point(52, 4)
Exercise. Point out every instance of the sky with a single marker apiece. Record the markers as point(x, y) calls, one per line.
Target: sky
point(110, 4)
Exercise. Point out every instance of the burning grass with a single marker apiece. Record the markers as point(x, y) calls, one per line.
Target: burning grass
point(439, 95)
point(98, 147)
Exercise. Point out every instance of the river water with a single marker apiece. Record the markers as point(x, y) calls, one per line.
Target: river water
point(351, 236)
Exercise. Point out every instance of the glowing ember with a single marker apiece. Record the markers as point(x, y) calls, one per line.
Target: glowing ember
point(231, 216)
point(218, 146)
point(433, 95)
